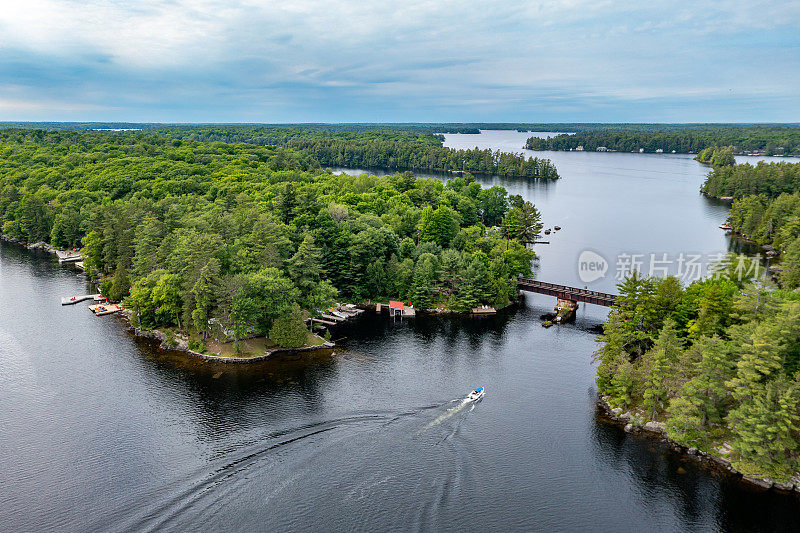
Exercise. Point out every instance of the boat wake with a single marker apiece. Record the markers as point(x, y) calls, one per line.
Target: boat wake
point(356, 457)
point(453, 411)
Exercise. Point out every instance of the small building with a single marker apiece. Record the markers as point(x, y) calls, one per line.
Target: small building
point(659, 151)
point(579, 148)
point(602, 149)
point(396, 308)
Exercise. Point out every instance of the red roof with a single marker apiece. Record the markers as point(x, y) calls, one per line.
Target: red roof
point(396, 305)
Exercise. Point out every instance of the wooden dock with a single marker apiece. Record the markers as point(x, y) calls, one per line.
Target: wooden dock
point(321, 321)
point(76, 299)
point(105, 309)
point(485, 310)
point(69, 256)
point(336, 315)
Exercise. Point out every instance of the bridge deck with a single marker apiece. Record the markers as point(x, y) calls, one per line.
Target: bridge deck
point(567, 293)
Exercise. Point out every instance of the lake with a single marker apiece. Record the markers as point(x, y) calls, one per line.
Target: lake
point(100, 431)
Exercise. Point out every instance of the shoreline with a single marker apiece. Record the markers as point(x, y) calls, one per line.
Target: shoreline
point(183, 346)
point(652, 429)
point(446, 312)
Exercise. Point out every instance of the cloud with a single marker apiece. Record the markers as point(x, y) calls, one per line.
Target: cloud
point(210, 60)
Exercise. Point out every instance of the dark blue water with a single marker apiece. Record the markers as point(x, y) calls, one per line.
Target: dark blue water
point(103, 432)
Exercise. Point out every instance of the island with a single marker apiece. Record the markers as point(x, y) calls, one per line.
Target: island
point(215, 244)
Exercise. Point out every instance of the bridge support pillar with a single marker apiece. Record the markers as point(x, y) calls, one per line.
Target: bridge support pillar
point(565, 310)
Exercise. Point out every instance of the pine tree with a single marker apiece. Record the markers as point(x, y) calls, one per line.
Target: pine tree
point(704, 399)
point(759, 361)
point(121, 285)
point(661, 361)
point(476, 278)
point(766, 428)
point(289, 331)
point(522, 222)
point(305, 266)
point(204, 292)
point(623, 384)
point(421, 293)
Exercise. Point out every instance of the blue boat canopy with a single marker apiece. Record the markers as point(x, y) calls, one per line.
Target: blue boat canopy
point(478, 389)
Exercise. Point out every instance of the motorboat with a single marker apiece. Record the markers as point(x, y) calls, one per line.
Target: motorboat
point(476, 394)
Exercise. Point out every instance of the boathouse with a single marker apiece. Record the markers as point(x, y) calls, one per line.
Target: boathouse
point(396, 308)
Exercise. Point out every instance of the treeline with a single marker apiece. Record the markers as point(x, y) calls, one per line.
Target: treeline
point(375, 149)
point(235, 240)
point(766, 139)
point(738, 181)
point(715, 362)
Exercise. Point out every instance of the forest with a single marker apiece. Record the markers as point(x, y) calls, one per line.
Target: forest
point(716, 363)
point(392, 150)
point(234, 240)
point(738, 181)
point(742, 139)
point(766, 209)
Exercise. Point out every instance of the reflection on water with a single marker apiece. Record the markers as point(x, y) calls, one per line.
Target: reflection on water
point(103, 431)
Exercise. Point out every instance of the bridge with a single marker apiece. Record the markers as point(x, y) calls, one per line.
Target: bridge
point(565, 293)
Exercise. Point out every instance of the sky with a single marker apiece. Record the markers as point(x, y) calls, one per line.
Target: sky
point(407, 61)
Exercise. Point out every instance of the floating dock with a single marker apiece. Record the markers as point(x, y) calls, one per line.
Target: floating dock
point(76, 299)
point(485, 310)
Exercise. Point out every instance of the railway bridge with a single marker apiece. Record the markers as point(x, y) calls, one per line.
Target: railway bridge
point(567, 297)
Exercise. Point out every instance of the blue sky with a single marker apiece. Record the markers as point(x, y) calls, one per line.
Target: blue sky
point(409, 61)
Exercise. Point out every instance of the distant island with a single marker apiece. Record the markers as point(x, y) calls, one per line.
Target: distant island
point(773, 140)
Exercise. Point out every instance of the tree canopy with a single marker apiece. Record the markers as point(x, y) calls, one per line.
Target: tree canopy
point(224, 238)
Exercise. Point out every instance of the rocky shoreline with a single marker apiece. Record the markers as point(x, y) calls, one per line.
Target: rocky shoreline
point(183, 346)
point(35, 246)
point(715, 462)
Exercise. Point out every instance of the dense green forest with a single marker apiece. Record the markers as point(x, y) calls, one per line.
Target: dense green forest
point(766, 208)
point(766, 139)
point(738, 181)
point(716, 362)
point(391, 150)
point(233, 240)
